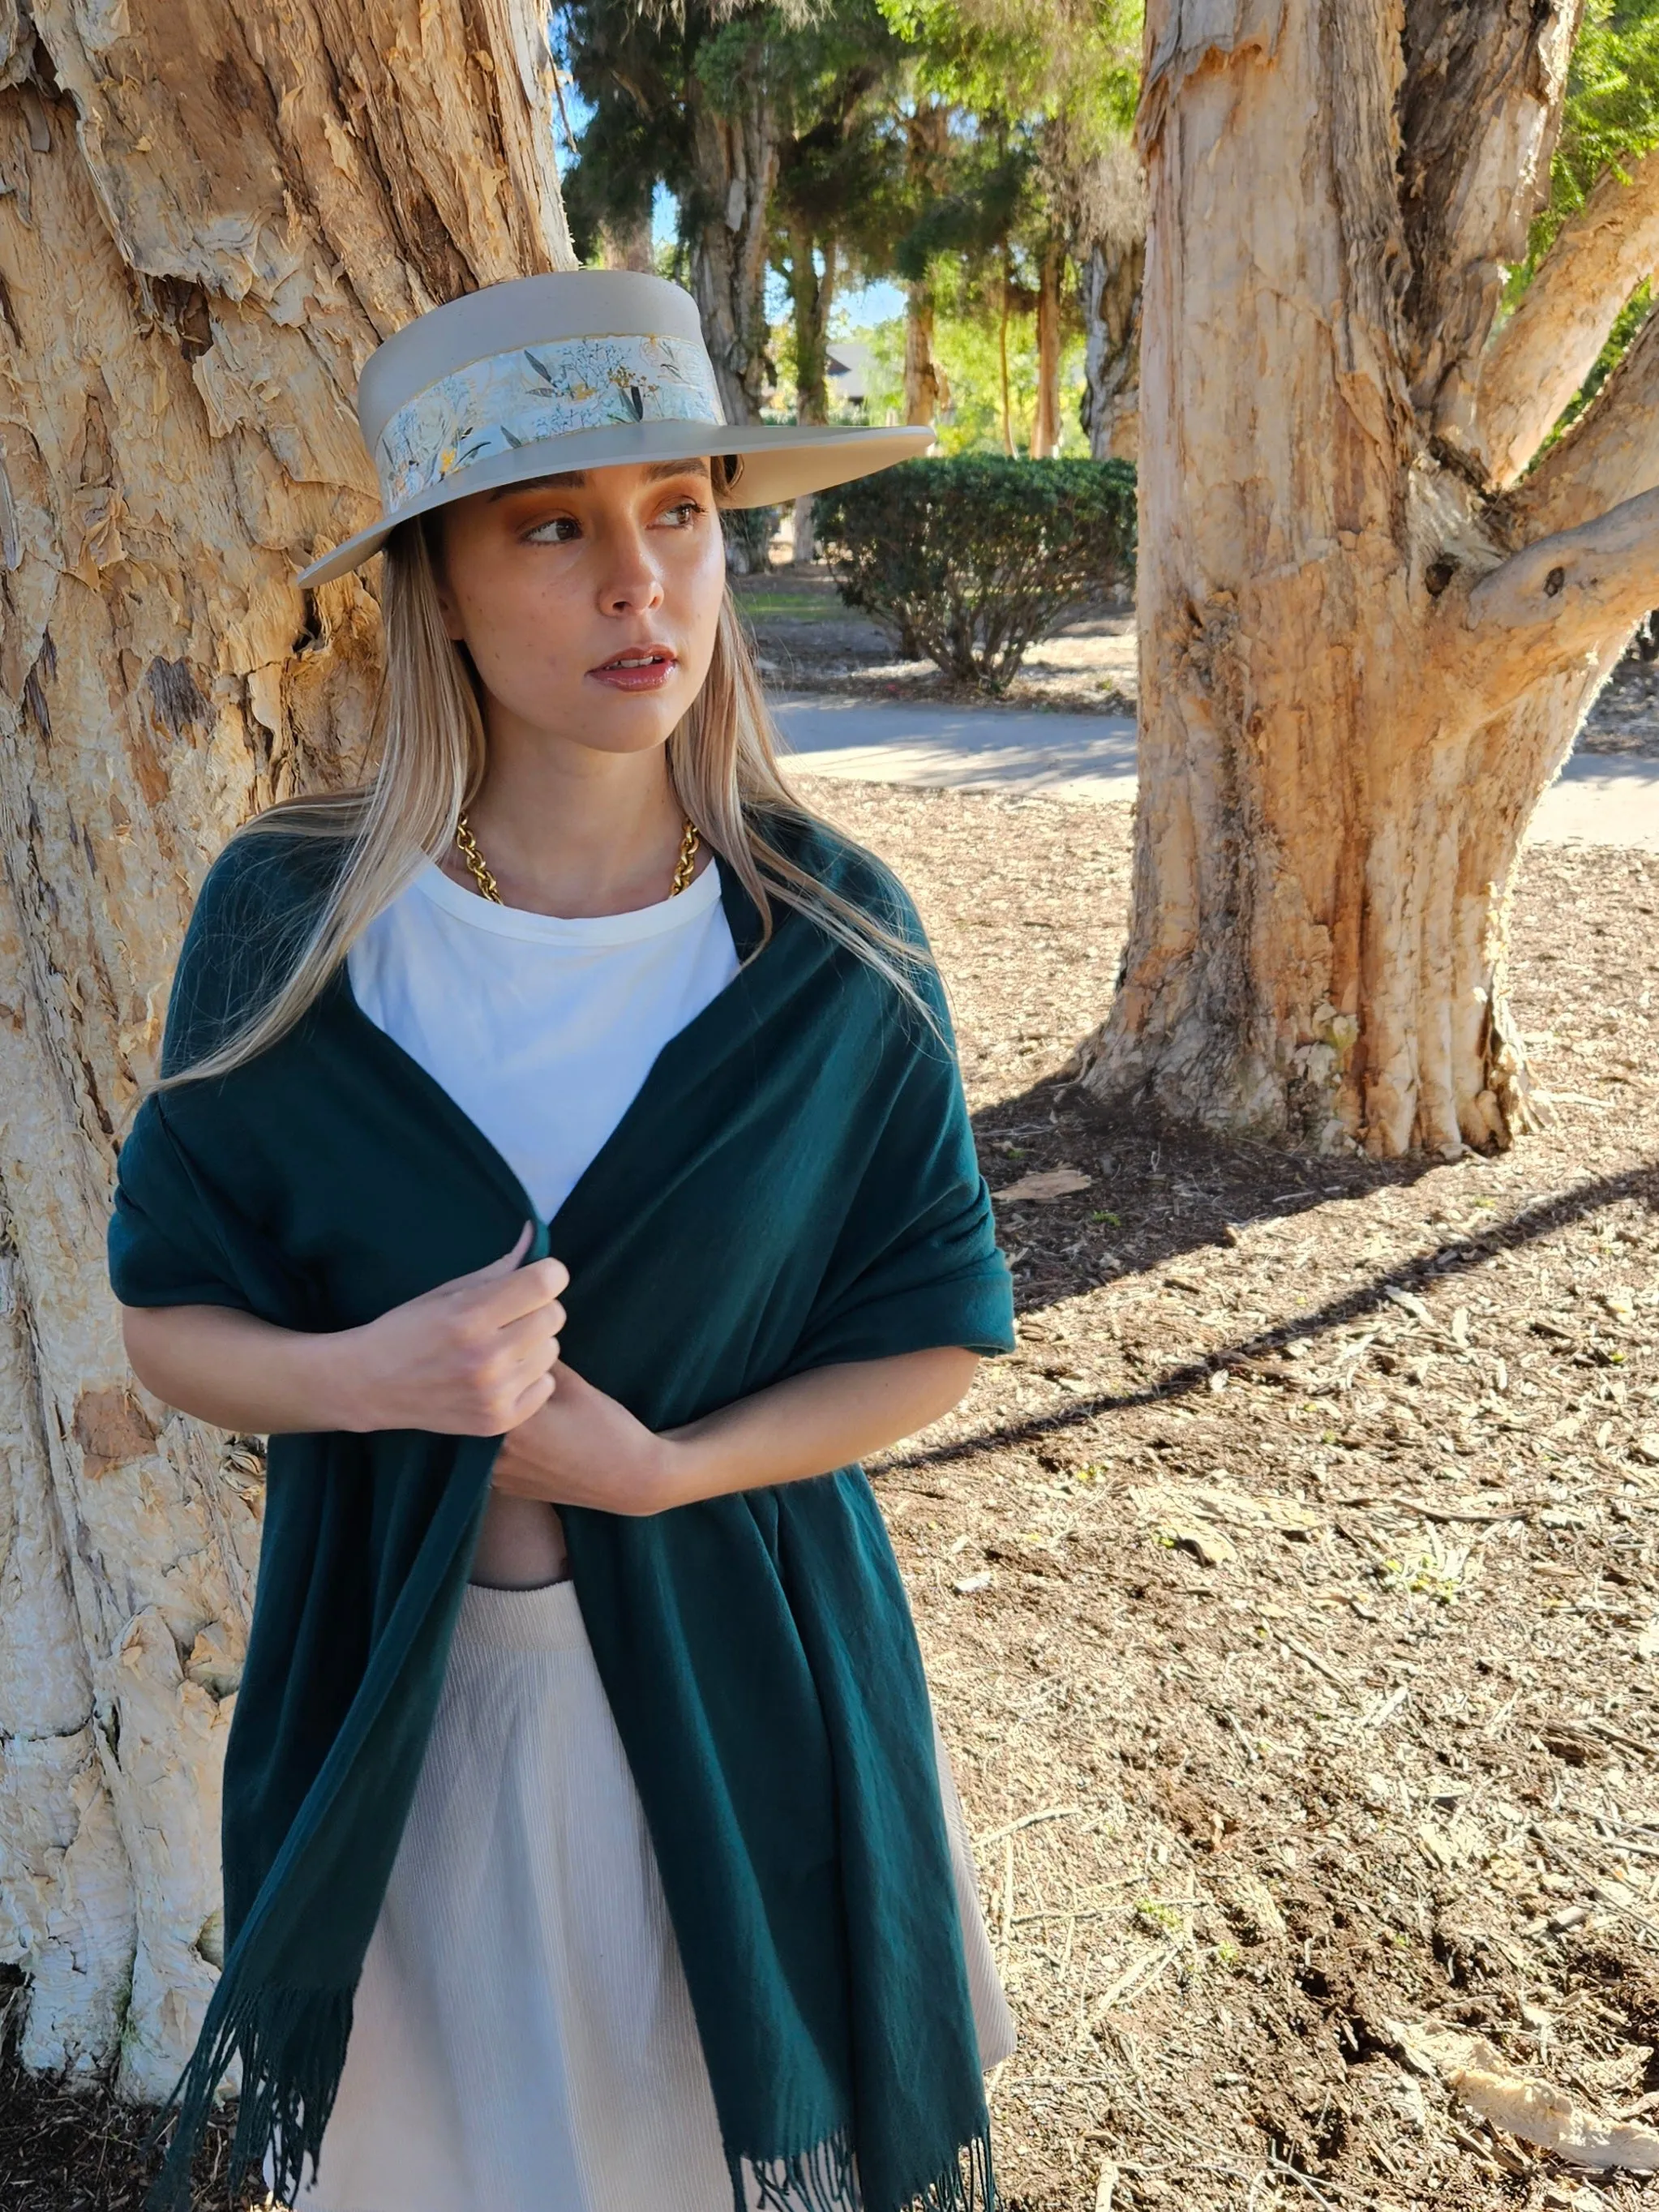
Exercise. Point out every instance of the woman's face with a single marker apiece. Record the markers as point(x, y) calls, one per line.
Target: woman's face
point(589, 600)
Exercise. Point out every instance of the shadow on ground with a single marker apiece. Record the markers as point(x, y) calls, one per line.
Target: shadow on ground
point(1163, 1195)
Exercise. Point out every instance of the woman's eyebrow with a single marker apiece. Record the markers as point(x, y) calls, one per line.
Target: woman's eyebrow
point(565, 480)
point(576, 479)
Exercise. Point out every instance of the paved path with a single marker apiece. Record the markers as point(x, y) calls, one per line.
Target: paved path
point(1599, 798)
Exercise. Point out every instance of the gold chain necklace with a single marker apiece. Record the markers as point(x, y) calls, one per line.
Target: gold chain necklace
point(475, 861)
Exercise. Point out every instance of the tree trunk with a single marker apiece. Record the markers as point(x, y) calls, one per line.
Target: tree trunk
point(1045, 426)
point(207, 219)
point(1110, 286)
point(927, 140)
point(812, 295)
point(925, 394)
point(629, 245)
point(1109, 247)
point(1004, 309)
point(736, 154)
point(1361, 664)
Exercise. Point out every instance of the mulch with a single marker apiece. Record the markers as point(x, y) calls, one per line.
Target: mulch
point(1289, 1596)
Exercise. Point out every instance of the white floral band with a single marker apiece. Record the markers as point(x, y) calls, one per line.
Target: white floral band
point(537, 391)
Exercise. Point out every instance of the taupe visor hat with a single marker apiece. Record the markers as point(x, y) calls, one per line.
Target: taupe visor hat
point(581, 370)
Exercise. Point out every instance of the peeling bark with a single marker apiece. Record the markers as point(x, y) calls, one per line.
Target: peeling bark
point(208, 221)
point(736, 156)
point(1111, 285)
point(1109, 248)
point(1361, 663)
point(1480, 112)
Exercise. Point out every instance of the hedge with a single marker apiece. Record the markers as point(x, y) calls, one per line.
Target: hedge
point(971, 560)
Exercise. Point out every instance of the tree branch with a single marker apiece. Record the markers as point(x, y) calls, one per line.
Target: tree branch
point(1559, 600)
point(1549, 344)
point(1610, 453)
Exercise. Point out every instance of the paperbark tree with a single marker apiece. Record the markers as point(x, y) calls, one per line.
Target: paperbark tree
point(734, 159)
point(208, 220)
point(926, 125)
point(1365, 649)
point(1109, 284)
point(1109, 246)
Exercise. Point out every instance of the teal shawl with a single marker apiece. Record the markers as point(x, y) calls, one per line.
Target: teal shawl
point(794, 1185)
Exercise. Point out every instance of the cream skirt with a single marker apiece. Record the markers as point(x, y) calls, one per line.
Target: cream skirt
point(523, 2038)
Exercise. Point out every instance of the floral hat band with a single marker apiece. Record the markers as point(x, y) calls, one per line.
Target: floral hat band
point(547, 390)
point(581, 370)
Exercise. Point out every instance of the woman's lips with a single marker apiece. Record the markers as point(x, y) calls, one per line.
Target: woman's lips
point(646, 669)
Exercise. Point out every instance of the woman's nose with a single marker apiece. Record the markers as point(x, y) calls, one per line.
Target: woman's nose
point(631, 581)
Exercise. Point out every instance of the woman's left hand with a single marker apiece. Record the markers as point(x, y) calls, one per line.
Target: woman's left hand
point(581, 1448)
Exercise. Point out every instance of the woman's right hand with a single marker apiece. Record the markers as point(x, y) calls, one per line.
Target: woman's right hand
point(473, 1358)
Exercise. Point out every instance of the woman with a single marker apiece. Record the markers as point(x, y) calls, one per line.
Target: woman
point(559, 1153)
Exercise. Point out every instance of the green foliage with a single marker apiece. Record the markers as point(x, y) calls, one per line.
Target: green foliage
point(1610, 119)
point(965, 348)
point(972, 561)
point(1074, 58)
point(1611, 115)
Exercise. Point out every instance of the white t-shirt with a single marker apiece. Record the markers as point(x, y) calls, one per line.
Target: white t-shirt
point(541, 1028)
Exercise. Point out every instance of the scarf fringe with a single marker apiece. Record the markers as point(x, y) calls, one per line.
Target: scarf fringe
point(826, 2179)
point(292, 2044)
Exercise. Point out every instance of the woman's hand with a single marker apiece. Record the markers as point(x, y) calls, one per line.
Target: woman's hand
point(473, 1358)
point(581, 1448)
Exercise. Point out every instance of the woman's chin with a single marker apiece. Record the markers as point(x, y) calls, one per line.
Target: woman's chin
point(606, 719)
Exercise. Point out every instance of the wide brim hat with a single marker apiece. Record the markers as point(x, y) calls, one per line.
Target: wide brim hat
point(580, 369)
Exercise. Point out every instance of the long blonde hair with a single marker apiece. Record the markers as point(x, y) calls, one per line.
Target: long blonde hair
point(427, 753)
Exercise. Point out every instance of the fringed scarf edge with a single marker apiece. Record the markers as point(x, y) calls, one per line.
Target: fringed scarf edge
point(826, 2179)
point(292, 2046)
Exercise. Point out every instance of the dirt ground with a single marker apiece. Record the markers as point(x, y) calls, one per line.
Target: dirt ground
point(809, 641)
point(1289, 1598)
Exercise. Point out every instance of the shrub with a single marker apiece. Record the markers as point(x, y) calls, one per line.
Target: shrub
point(971, 560)
point(748, 533)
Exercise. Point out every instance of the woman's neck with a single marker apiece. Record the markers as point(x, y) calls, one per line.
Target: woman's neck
point(569, 831)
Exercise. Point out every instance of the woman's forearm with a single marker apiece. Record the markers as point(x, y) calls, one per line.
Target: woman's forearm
point(230, 1368)
point(584, 1448)
point(814, 1422)
point(474, 1356)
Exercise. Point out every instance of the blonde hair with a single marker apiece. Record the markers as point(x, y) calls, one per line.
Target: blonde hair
point(428, 750)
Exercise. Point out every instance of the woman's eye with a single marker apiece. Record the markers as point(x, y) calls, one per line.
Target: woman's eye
point(560, 531)
point(683, 513)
